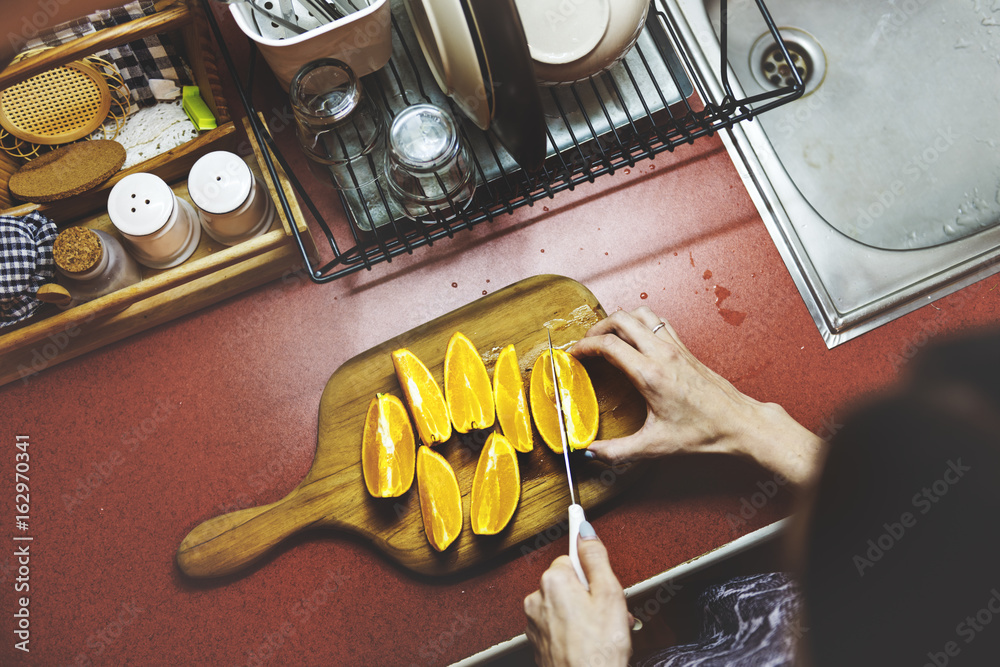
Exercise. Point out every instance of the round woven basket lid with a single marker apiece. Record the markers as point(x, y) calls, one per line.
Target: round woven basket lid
point(60, 105)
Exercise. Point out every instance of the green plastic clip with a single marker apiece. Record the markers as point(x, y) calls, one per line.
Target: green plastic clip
point(197, 110)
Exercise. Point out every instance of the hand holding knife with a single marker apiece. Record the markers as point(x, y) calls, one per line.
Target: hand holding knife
point(576, 515)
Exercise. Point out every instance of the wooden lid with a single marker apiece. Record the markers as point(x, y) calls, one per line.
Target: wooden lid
point(76, 250)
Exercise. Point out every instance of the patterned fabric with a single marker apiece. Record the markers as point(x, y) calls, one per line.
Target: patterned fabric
point(154, 57)
point(25, 264)
point(748, 622)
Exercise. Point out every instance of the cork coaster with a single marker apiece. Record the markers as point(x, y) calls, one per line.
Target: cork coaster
point(67, 171)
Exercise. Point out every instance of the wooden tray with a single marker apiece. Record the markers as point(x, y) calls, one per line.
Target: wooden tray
point(215, 272)
point(333, 492)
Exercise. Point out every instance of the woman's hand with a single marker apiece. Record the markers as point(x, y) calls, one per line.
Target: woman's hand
point(691, 408)
point(570, 626)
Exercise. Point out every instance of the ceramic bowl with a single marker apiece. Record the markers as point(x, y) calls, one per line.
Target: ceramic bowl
point(362, 39)
point(572, 40)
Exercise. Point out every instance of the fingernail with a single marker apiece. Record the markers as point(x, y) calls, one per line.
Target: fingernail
point(589, 455)
point(587, 531)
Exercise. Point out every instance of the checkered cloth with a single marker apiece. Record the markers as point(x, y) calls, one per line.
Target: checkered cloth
point(25, 264)
point(153, 57)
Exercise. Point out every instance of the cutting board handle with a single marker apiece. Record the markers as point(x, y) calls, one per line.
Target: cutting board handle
point(230, 542)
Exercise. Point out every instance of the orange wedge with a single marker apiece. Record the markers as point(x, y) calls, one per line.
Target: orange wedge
point(424, 397)
point(511, 403)
point(467, 386)
point(579, 403)
point(440, 500)
point(496, 488)
point(388, 450)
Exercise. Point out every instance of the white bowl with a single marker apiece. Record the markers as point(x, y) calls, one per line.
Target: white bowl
point(572, 40)
point(362, 39)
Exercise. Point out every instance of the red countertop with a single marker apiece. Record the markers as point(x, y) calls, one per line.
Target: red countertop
point(133, 445)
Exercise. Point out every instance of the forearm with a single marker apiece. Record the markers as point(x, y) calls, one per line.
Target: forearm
point(767, 435)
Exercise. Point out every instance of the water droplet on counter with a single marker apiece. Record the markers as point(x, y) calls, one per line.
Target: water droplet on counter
point(675, 254)
point(652, 167)
point(454, 284)
point(487, 280)
point(545, 208)
point(962, 44)
point(627, 171)
point(605, 253)
point(707, 275)
point(484, 292)
point(643, 296)
point(691, 257)
point(543, 249)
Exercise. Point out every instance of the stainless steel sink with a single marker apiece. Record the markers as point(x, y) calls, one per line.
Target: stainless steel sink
point(881, 184)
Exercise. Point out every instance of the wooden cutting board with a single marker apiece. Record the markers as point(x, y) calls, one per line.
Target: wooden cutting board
point(333, 492)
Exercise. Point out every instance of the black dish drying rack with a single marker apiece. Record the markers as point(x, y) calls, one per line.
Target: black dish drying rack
point(595, 128)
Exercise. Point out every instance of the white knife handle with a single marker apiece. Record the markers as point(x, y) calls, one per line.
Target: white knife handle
point(576, 517)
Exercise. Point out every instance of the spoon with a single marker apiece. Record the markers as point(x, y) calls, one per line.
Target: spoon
point(294, 27)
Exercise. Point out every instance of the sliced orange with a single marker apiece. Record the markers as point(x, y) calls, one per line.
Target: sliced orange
point(440, 499)
point(579, 403)
point(388, 451)
point(467, 386)
point(511, 402)
point(423, 395)
point(496, 488)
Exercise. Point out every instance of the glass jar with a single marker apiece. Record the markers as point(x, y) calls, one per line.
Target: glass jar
point(93, 263)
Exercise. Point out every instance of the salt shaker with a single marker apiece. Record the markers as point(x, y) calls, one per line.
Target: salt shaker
point(159, 229)
point(428, 167)
point(93, 264)
point(232, 203)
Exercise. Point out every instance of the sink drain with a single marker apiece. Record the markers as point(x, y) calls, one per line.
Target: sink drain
point(773, 71)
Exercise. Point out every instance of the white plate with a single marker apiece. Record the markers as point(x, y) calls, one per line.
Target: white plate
point(559, 31)
point(447, 43)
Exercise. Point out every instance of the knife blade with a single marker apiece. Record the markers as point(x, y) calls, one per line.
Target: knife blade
point(576, 515)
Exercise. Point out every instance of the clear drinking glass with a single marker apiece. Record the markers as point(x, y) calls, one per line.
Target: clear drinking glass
point(427, 165)
point(337, 125)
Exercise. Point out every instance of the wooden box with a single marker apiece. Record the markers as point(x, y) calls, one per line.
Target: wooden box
point(213, 273)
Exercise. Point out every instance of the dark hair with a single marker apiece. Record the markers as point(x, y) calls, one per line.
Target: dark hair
point(902, 548)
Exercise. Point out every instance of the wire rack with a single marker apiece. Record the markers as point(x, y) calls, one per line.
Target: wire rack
point(642, 106)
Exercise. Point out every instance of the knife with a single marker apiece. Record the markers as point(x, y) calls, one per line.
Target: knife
point(576, 516)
